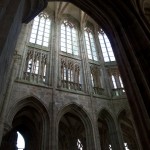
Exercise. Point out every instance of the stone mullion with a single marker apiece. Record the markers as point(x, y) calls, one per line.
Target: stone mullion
point(117, 80)
point(74, 75)
point(99, 54)
point(78, 78)
point(39, 77)
point(51, 55)
point(9, 31)
point(109, 82)
point(77, 82)
point(44, 31)
point(61, 72)
point(32, 64)
point(67, 69)
point(98, 47)
point(43, 63)
point(105, 77)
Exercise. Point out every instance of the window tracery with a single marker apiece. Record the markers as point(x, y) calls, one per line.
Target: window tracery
point(36, 65)
point(70, 74)
point(96, 80)
point(106, 47)
point(90, 44)
point(116, 82)
point(69, 38)
point(40, 30)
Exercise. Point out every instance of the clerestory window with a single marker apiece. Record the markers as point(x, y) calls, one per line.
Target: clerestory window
point(106, 47)
point(90, 44)
point(40, 30)
point(69, 38)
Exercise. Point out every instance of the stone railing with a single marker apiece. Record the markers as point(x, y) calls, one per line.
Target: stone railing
point(34, 78)
point(99, 91)
point(71, 85)
point(118, 92)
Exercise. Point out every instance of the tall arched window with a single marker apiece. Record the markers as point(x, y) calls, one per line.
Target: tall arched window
point(106, 47)
point(69, 38)
point(40, 30)
point(90, 44)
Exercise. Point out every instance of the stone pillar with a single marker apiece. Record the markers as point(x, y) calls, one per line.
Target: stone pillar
point(97, 137)
point(132, 61)
point(10, 27)
point(85, 65)
point(119, 135)
point(9, 141)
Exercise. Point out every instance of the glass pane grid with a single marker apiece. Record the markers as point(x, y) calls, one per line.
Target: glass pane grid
point(106, 48)
point(68, 38)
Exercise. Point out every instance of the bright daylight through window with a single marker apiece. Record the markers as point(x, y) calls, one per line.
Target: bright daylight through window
point(20, 142)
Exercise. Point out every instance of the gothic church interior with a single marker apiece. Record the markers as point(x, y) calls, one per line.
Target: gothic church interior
point(75, 75)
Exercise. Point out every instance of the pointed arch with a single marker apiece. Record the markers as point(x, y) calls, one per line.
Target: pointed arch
point(80, 113)
point(31, 101)
point(30, 117)
point(128, 130)
point(107, 128)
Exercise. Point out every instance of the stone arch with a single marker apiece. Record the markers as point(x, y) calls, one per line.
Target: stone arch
point(107, 130)
point(30, 117)
point(127, 129)
point(78, 111)
point(32, 101)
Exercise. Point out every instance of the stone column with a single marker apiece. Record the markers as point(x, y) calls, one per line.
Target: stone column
point(85, 65)
point(135, 81)
point(10, 28)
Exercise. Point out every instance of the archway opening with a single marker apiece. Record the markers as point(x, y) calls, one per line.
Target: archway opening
point(71, 133)
point(104, 134)
point(128, 132)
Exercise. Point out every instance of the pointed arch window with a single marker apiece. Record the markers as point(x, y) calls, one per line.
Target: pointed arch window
point(90, 44)
point(106, 47)
point(69, 38)
point(40, 30)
